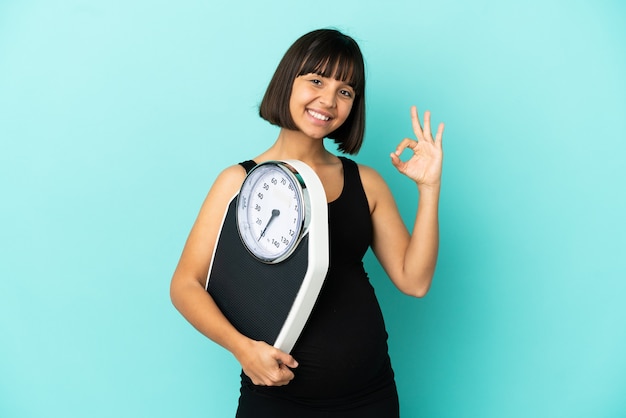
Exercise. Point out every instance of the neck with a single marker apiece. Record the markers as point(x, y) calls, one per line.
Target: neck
point(298, 146)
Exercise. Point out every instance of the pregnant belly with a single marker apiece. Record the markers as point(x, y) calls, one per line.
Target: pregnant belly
point(342, 349)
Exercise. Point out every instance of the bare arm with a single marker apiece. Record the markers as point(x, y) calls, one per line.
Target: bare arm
point(409, 259)
point(264, 364)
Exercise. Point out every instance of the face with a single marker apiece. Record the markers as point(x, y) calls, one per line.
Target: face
point(319, 105)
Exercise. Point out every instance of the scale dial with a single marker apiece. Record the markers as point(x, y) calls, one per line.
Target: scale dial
point(272, 211)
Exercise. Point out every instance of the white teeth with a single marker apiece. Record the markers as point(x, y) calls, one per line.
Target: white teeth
point(318, 115)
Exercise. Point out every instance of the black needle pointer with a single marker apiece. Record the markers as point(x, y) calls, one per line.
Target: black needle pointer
point(275, 213)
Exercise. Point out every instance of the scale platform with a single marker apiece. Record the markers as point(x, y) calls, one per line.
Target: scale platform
point(270, 302)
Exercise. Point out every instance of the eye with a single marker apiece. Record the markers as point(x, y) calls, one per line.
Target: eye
point(346, 93)
point(316, 81)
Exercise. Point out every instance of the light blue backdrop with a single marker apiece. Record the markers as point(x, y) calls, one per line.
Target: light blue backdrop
point(116, 116)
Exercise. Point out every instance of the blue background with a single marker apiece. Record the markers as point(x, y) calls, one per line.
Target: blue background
point(116, 116)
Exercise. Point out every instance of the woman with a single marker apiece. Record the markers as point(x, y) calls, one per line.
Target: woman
point(340, 366)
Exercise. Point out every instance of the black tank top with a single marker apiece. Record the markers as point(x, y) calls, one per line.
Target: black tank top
point(342, 352)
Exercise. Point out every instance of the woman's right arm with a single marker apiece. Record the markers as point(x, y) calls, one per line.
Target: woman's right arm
point(264, 364)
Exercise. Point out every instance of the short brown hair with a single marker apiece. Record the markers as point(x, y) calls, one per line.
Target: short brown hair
point(329, 53)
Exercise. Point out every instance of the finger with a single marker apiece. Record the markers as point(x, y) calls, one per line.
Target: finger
point(396, 161)
point(427, 132)
point(282, 376)
point(417, 128)
point(439, 135)
point(404, 144)
point(286, 359)
point(278, 377)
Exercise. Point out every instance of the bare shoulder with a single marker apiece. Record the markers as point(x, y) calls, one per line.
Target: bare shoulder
point(368, 174)
point(228, 182)
point(371, 179)
point(195, 259)
point(224, 188)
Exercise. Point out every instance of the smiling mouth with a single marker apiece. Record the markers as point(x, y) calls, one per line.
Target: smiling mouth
point(318, 116)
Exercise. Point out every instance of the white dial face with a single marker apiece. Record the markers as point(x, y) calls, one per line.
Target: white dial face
point(270, 212)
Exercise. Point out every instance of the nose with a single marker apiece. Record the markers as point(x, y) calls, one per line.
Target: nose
point(327, 98)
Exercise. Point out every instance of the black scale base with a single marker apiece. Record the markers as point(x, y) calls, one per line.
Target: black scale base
point(255, 297)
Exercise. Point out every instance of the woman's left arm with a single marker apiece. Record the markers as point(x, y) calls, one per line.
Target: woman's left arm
point(409, 259)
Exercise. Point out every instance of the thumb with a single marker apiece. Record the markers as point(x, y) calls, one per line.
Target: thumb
point(395, 160)
point(397, 163)
point(286, 359)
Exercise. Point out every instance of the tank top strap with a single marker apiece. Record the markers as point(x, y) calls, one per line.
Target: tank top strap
point(352, 185)
point(248, 165)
